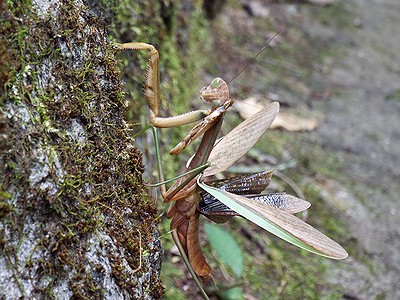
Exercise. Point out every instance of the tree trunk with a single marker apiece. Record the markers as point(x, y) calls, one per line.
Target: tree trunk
point(75, 220)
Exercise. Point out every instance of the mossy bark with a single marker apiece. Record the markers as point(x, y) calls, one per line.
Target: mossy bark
point(75, 221)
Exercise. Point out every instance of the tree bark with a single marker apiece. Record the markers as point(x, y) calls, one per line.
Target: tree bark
point(74, 218)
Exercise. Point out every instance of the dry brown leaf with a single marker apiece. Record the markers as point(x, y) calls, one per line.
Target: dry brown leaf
point(248, 107)
point(286, 120)
point(292, 122)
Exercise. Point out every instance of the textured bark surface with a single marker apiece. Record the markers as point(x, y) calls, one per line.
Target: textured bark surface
point(74, 220)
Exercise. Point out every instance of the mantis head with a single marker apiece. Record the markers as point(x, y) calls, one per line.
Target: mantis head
point(217, 92)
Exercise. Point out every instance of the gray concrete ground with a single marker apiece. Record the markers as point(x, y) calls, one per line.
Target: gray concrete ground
point(362, 122)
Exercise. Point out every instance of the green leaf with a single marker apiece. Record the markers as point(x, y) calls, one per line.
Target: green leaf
point(235, 293)
point(226, 247)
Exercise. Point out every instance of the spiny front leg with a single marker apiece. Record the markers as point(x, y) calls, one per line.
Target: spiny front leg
point(152, 90)
point(152, 77)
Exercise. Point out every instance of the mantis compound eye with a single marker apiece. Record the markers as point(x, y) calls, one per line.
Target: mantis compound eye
point(217, 92)
point(216, 82)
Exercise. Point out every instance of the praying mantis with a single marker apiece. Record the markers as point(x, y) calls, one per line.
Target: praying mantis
point(194, 194)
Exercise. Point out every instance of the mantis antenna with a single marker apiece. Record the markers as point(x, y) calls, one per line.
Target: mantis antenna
point(255, 57)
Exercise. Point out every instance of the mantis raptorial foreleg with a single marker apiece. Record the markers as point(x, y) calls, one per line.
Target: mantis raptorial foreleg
point(152, 91)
